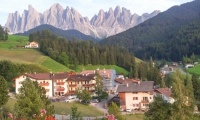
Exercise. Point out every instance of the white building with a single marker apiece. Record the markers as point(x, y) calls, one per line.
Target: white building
point(165, 94)
point(136, 95)
point(58, 84)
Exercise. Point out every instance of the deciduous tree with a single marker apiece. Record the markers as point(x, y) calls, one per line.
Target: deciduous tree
point(31, 99)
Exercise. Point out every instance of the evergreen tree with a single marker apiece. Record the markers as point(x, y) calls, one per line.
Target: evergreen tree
point(3, 92)
point(30, 100)
point(131, 73)
point(159, 109)
point(75, 114)
point(196, 86)
point(183, 105)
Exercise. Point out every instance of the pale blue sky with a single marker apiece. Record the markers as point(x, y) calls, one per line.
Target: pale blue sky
point(86, 7)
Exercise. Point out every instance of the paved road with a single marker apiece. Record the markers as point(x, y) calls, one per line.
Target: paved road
point(101, 105)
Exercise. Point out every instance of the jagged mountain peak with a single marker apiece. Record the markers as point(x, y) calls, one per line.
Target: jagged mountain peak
point(101, 25)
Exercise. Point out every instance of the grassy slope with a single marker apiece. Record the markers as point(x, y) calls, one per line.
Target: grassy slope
point(195, 70)
point(65, 108)
point(117, 68)
point(30, 56)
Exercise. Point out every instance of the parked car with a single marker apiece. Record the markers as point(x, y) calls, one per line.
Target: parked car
point(94, 101)
point(128, 110)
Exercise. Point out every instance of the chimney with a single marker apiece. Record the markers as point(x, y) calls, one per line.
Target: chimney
point(34, 72)
point(126, 84)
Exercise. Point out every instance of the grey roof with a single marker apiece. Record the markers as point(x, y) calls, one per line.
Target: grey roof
point(143, 86)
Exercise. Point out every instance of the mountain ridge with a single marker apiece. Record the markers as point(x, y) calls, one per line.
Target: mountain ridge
point(101, 25)
point(67, 34)
point(155, 37)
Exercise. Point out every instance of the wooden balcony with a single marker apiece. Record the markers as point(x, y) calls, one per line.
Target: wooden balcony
point(44, 84)
point(60, 89)
point(72, 85)
point(60, 83)
point(47, 90)
point(144, 101)
point(71, 92)
point(88, 85)
point(90, 90)
point(13, 85)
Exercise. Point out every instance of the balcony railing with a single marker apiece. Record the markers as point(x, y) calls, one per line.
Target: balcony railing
point(70, 92)
point(144, 101)
point(88, 85)
point(60, 89)
point(60, 83)
point(13, 85)
point(90, 90)
point(72, 85)
point(44, 84)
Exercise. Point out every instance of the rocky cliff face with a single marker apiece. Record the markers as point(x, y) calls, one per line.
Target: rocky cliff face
point(102, 25)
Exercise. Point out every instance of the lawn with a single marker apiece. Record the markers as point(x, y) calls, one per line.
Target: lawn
point(195, 70)
point(93, 67)
point(65, 108)
point(134, 116)
point(13, 40)
point(54, 66)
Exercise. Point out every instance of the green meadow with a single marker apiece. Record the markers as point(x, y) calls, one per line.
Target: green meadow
point(195, 70)
point(34, 56)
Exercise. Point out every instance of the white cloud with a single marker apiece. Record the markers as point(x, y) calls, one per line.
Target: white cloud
point(86, 7)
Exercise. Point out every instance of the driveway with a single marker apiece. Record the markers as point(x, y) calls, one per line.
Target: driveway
point(101, 105)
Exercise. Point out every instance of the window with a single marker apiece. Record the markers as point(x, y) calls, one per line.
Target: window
point(135, 92)
point(133, 105)
point(135, 98)
point(145, 98)
point(150, 98)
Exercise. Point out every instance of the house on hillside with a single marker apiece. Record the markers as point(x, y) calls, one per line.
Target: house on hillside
point(165, 94)
point(32, 45)
point(136, 94)
point(108, 76)
point(189, 65)
point(167, 69)
point(58, 84)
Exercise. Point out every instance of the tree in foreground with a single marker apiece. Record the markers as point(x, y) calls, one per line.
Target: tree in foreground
point(159, 109)
point(183, 107)
point(83, 95)
point(99, 86)
point(31, 100)
point(75, 114)
point(114, 110)
point(3, 91)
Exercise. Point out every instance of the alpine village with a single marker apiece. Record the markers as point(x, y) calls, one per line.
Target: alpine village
point(58, 65)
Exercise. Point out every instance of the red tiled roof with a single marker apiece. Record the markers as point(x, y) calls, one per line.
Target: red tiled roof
point(166, 91)
point(46, 76)
point(101, 72)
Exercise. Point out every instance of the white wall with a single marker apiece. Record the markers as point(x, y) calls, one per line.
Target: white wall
point(140, 95)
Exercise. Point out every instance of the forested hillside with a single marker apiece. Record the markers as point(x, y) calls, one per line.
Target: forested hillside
point(67, 34)
point(161, 36)
point(72, 53)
